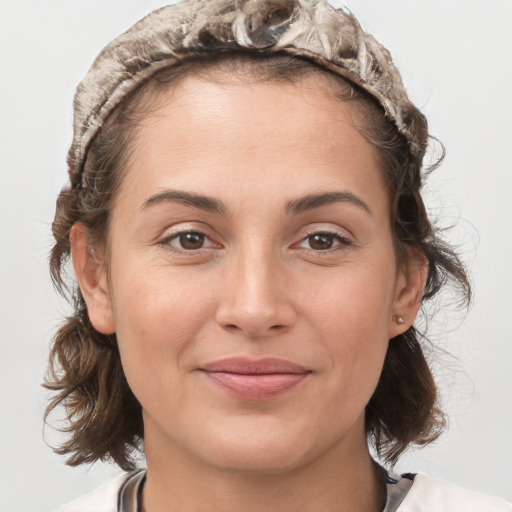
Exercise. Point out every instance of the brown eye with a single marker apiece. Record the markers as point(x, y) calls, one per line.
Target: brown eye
point(186, 241)
point(321, 241)
point(191, 240)
point(324, 242)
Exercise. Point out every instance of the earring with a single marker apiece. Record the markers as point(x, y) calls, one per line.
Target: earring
point(400, 319)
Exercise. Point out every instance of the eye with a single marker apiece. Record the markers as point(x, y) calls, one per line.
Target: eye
point(323, 241)
point(186, 241)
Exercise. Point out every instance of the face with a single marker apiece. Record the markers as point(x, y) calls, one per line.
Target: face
point(252, 281)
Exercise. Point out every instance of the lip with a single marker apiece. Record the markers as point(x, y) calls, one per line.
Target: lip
point(260, 379)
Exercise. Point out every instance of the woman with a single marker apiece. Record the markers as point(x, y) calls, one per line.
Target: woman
point(251, 249)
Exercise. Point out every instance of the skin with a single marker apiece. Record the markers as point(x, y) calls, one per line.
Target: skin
point(257, 285)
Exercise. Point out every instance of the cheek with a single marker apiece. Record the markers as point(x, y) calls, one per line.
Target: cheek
point(150, 299)
point(157, 316)
point(350, 315)
point(353, 302)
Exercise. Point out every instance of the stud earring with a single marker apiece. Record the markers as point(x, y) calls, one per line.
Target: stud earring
point(400, 319)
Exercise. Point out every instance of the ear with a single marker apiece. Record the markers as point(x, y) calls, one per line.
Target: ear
point(90, 274)
point(408, 292)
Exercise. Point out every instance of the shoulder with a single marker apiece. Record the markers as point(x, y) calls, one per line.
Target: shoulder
point(428, 494)
point(102, 499)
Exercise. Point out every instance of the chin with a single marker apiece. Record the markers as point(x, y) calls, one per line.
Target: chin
point(257, 449)
point(261, 460)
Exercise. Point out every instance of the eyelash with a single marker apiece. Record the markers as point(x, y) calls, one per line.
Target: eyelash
point(167, 241)
point(338, 241)
point(342, 241)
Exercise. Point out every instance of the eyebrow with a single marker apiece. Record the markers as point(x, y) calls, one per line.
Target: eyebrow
point(295, 206)
point(205, 203)
point(312, 201)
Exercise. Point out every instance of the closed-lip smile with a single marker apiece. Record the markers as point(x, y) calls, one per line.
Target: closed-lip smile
point(255, 379)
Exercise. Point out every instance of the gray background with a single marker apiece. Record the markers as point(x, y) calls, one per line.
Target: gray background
point(455, 58)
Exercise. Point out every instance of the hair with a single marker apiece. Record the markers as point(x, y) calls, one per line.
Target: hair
point(105, 418)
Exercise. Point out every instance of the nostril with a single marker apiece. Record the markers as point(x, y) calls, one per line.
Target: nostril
point(254, 331)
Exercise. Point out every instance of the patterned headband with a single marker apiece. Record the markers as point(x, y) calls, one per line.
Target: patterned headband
point(313, 29)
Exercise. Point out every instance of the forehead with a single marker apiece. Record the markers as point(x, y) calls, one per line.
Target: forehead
point(298, 76)
point(190, 115)
point(201, 132)
point(249, 107)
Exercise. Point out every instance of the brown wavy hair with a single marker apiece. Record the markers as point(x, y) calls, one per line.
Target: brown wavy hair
point(85, 371)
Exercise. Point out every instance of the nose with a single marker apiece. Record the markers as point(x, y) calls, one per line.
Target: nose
point(255, 299)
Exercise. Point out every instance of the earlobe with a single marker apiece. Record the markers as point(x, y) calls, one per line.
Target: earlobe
point(408, 294)
point(90, 273)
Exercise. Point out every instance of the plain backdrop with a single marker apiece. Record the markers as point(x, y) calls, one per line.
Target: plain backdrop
point(456, 60)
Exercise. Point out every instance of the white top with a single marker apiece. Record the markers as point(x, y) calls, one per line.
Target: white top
point(430, 495)
point(425, 495)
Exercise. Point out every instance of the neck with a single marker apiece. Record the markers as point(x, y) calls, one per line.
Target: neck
point(341, 480)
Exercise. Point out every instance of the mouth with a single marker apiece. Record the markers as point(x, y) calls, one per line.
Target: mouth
point(260, 379)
